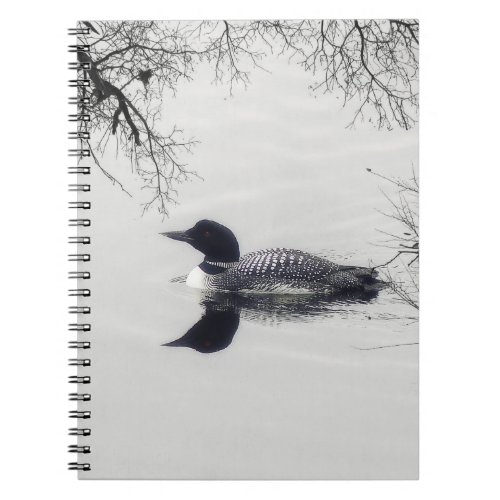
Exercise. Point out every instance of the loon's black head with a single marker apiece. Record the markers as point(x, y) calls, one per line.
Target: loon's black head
point(214, 240)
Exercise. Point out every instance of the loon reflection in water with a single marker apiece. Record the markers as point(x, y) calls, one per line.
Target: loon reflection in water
point(221, 318)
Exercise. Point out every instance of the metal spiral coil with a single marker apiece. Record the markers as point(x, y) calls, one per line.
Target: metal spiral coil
point(79, 275)
point(79, 257)
point(79, 222)
point(79, 414)
point(77, 65)
point(81, 240)
point(84, 205)
point(78, 431)
point(85, 82)
point(79, 362)
point(74, 344)
point(78, 310)
point(79, 48)
point(79, 101)
point(78, 466)
point(79, 327)
point(81, 116)
point(79, 187)
point(79, 292)
point(79, 170)
point(73, 448)
point(73, 379)
point(79, 134)
point(79, 31)
point(76, 396)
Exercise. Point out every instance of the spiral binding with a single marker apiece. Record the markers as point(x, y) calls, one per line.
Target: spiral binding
point(81, 116)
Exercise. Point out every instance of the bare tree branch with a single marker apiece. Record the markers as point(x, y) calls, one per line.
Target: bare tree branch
point(135, 65)
point(406, 243)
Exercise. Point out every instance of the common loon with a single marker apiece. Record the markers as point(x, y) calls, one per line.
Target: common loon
point(273, 270)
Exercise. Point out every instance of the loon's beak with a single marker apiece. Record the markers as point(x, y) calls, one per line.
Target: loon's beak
point(179, 236)
point(177, 343)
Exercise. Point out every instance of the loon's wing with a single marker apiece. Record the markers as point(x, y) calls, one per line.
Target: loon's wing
point(273, 270)
point(284, 263)
point(282, 269)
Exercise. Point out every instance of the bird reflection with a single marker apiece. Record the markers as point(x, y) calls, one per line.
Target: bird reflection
point(214, 331)
point(218, 325)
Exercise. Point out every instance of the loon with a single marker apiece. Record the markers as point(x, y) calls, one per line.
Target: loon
point(273, 270)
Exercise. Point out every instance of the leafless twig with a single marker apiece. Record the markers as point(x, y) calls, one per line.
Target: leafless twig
point(404, 210)
point(134, 65)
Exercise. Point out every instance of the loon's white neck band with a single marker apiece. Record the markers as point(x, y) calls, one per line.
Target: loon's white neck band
point(225, 265)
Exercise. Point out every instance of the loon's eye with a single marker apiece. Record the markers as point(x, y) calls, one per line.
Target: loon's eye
point(206, 234)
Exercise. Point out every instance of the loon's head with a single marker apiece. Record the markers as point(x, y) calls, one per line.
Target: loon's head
point(214, 240)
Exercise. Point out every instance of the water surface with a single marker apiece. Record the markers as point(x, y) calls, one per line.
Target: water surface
point(297, 387)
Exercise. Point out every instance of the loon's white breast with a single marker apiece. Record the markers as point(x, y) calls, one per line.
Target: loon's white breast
point(197, 278)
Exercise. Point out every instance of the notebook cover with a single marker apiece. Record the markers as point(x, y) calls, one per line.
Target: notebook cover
point(292, 134)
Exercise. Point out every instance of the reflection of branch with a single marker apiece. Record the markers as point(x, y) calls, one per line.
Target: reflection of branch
point(384, 346)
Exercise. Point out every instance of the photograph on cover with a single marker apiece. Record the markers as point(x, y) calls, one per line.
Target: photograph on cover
point(254, 248)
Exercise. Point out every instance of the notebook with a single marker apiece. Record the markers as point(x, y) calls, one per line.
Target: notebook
point(244, 227)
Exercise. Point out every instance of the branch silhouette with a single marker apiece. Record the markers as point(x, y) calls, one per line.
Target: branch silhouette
point(404, 210)
point(134, 65)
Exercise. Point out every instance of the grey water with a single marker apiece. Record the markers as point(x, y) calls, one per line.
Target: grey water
point(297, 387)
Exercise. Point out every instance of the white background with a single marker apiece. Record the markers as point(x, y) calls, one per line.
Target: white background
point(460, 184)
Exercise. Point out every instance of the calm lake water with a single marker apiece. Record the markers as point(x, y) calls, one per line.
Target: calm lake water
point(297, 388)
